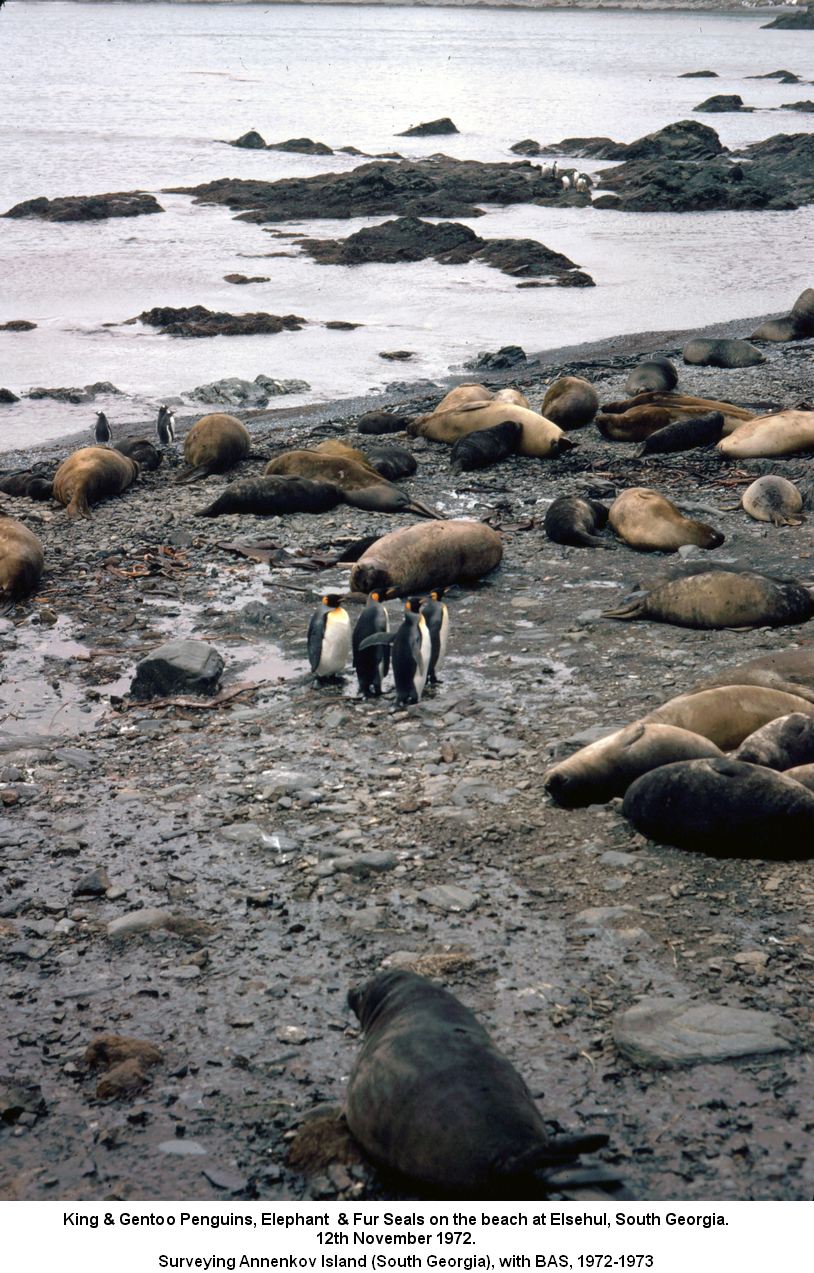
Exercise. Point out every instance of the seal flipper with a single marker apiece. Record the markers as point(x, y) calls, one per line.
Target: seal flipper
point(423, 510)
point(635, 610)
point(192, 475)
point(550, 1153)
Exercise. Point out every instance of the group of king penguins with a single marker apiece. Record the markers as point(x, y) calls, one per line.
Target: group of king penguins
point(415, 650)
point(164, 428)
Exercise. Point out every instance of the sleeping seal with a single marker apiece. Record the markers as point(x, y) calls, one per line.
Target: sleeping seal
point(685, 434)
point(773, 499)
point(432, 1097)
point(784, 433)
point(214, 444)
point(147, 456)
point(91, 474)
point(721, 599)
point(571, 520)
point(436, 555)
point(21, 560)
point(273, 496)
point(638, 417)
point(393, 462)
point(540, 437)
point(782, 744)
point(27, 483)
point(722, 353)
point(791, 671)
point(362, 486)
point(725, 808)
point(728, 714)
point(654, 373)
point(485, 447)
point(647, 521)
point(570, 402)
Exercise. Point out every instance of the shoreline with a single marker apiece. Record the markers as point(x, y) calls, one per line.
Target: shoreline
point(598, 6)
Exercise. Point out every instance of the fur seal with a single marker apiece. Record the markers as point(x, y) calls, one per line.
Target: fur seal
point(382, 422)
point(91, 474)
point(721, 599)
point(482, 449)
point(432, 1097)
point(782, 744)
point(648, 522)
point(214, 444)
point(633, 425)
point(725, 808)
point(392, 462)
point(273, 496)
point(604, 769)
point(791, 671)
point(21, 560)
point(362, 485)
point(28, 484)
point(721, 353)
point(728, 714)
point(685, 434)
point(654, 373)
point(431, 555)
point(572, 520)
point(783, 433)
point(540, 437)
point(776, 329)
point(773, 499)
point(147, 456)
point(570, 402)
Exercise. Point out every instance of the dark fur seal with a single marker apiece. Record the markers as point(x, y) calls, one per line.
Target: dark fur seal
point(725, 808)
point(384, 497)
point(21, 560)
point(638, 417)
point(214, 444)
point(273, 497)
point(654, 373)
point(27, 484)
point(362, 485)
point(571, 520)
point(147, 456)
point(684, 435)
point(722, 353)
point(782, 744)
point(721, 599)
point(570, 402)
point(777, 329)
point(382, 422)
point(486, 447)
point(650, 523)
point(432, 555)
point(431, 1097)
point(393, 462)
point(92, 474)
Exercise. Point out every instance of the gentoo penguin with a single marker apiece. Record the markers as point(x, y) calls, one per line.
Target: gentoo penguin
point(329, 638)
point(411, 653)
point(102, 431)
point(165, 426)
point(436, 617)
point(371, 665)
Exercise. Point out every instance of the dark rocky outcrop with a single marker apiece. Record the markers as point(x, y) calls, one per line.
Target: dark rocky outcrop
point(686, 139)
point(177, 667)
point(17, 325)
point(807, 107)
point(397, 355)
point(800, 21)
point(249, 141)
point(96, 207)
point(500, 360)
point(784, 77)
point(787, 159)
point(580, 148)
point(340, 325)
point(234, 392)
point(675, 186)
point(410, 239)
point(528, 147)
point(197, 320)
point(7, 397)
point(434, 187)
point(246, 278)
point(699, 75)
point(434, 128)
point(74, 395)
point(722, 103)
point(301, 146)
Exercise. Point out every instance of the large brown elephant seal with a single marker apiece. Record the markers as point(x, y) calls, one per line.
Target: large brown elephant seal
point(804, 774)
point(575, 521)
point(656, 373)
point(721, 599)
point(417, 558)
point(214, 444)
point(509, 394)
point(685, 434)
point(540, 437)
point(604, 769)
point(727, 714)
point(362, 485)
point(392, 462)
point(92, 474)
point(570, 402)
point(773, 499)
point(21, 560)
point(784, 433)
point(431, 1097)
point(273, 497)
point(791, 671)
point(638, 417)
point(725, 808)
point(648, 522)
point(782, 744)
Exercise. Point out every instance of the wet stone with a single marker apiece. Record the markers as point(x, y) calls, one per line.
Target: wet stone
point(660, 1033)
point(448, 897)
point(95, 884)
point(182, 1148)
point(140, 921)
point(178, 667)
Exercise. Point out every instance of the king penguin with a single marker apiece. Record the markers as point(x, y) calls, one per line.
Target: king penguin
point(411, 653)
point(371, 664)
point(436, 617)
point(102, 431)
point(329, 638)
point(165, 426)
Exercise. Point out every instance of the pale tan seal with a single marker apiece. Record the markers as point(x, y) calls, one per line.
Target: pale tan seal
point(21, 560)
point(721, 599)
point(783, 433)
point(540, 437)
point(213, 445)
point(648, 522)
point(436, 555)
point(728, 714)
point(773, 499)
point(791, 671)
point(90, 475)
point(570, 402)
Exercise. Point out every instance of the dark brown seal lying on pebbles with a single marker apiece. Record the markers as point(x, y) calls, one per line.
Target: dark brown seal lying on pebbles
point(362, 485)
point(274, 496)
point(214, 444)
point(636, 418)
point(92, 474)
point(656, 373)
point(722, 353)
point(393, 462)
point(648, 522)
point(431, 1097)
point(721, 599)
point(570, 402)
point(725, 808)
point(486, 447)
point(685, 434)
point(416, 559)
point(572, 520)
point(791, 671)
point(382, 422)
point(540, 437)
point(782, 744)
point(147, 456)
point(773, 499)
point(28, 484)
point(21, 560)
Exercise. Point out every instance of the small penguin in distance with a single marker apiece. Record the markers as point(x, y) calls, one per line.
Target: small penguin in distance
point(102, 431)
point(329, 638)
point(165, 426)
point(372, 664)
point(410, 653)
point(436, 616)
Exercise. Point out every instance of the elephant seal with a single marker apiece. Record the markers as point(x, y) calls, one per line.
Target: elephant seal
point(431, 1097)
point(28, 484)
point(725, 808)
point(722, 353)
point(21, 560)
point(574, 521)
point(776, 329)
point(482, 449)
point(214, 444)
point(728, 714)
point(362, 486)
point(512, 395)
point(783, 433)
point(791, 671)
point(804, 774)
point(654, 373)
point(604, 769)
point(570, 402)
point(147, 456)
point(782, 744)
point(91, 474)
point(274, 496)
point(392, 462)
point(802, 311)
point(721, 599)
point(459, 396)
point(540, 437)
point(773, 499)
point(436, 555)
point(634, 425)
point(378, 422)
point(333, 446)
point(648, 522)
point(684, 434)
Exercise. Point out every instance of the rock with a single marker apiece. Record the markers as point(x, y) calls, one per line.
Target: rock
point(8, 397)
point(582, 148)
point(364, 864)
point(807, 107)
point(722, 353)
point(504, 358)
point(177, 667)
point(526, 147)
point(661, 1032)
point(17, 325)
point(800, 20)
point(197, 320)
point(701, 75)
point(182, 1148)
point(18, 1098)
point(220, 1178)
point(98, 207)
point(687, 140)
point(301, 146)
point(721, 103)
point(234, 392)
point(397, 355)
point(249, 141)
point(238, 279)
point(448, 897)
point(787, 159)
point(72, 395)
point(434, 128)
point(94, 884)
point(140, 921)
point(784, 77)
point(751, 960)
point(668, 185)
point(338, 325)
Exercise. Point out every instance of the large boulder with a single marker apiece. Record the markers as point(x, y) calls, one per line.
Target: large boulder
point(234, 392)
point(301, 146)
point(666, 185)
point(722, 103)
point(96, 207)
point(177, 667)
point(433, 128)
point(249, 141)
point(801, 20)
point(788, 160)
point(197, 320)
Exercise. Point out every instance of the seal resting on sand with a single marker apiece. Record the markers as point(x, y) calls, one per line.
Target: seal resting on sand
point(416, 559)
point(721, 599)
point(92, 474)
point(647, 521)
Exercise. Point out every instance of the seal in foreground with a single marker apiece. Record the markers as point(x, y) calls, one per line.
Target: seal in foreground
point(416, 559)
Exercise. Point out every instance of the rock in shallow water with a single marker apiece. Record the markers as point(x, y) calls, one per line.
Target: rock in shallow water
point(660, 1033)
point(178, 667)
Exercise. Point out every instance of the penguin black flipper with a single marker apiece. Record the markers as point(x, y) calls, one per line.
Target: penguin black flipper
point(377, 638)
point(316, 632)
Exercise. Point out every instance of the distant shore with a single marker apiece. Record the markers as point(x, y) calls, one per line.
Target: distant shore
point(633, 6)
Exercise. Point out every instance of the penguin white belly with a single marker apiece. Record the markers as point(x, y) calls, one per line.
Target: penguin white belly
point(443, 636)
point(336, 639)
point(423, 662)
